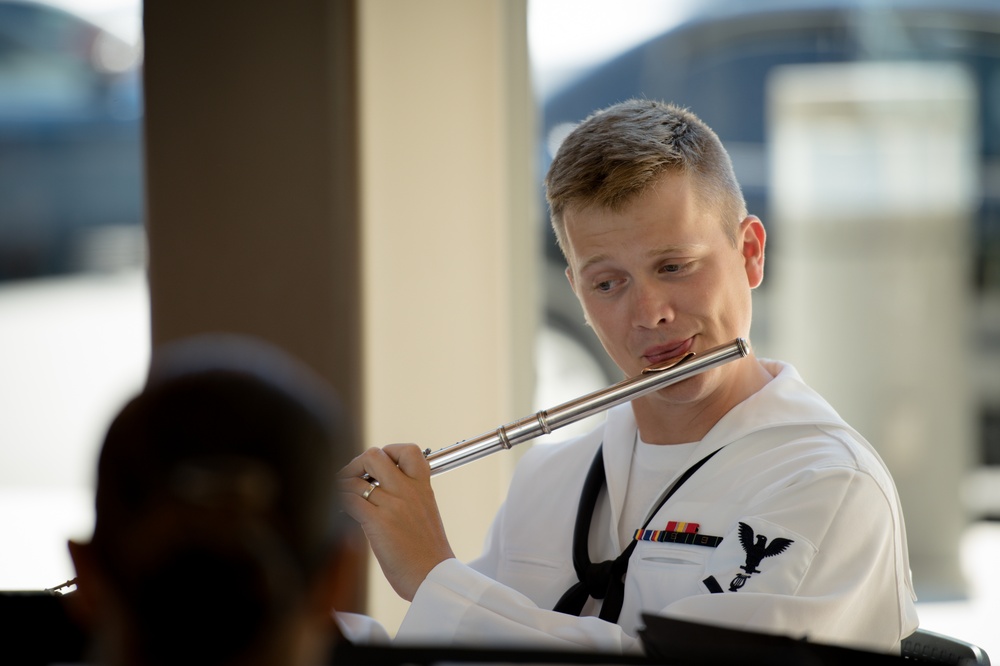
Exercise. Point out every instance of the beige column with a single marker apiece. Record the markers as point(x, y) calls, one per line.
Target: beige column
point(449, 237)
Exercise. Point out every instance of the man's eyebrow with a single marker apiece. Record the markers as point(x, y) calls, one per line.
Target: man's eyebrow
point(679, 249)
point(596, 259)
point(673, 250)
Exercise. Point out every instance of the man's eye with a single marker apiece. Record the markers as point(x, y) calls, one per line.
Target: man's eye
point(609, 285)
point(671, 268)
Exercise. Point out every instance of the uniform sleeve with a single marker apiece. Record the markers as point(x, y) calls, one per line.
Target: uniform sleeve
point(457, 605)
point(819, 559)
point(361, 629)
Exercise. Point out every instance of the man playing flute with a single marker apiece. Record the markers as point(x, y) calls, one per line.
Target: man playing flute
point(737, 497)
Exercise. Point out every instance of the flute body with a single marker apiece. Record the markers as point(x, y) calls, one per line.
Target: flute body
point(546, 421)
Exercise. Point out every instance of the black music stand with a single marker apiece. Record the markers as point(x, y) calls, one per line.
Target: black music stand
point(36, 628)
point(672, 641)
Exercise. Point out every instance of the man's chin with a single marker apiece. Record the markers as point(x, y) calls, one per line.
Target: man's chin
point(684, 392)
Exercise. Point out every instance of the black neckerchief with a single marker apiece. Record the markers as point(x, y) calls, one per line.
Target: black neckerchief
point(604, 580)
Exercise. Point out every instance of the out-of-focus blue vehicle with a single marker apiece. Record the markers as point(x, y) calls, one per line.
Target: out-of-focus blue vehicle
point(70, 139)
point(717, 60)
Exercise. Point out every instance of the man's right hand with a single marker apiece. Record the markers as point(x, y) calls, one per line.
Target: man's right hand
point(400, 515)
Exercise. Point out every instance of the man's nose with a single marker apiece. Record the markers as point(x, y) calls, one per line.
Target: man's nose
point(652, 306)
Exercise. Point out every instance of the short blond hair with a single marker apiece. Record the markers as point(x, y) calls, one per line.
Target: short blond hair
point(618, 152)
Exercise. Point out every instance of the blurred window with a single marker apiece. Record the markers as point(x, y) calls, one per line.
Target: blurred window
point(70, 144)
point(74, 311)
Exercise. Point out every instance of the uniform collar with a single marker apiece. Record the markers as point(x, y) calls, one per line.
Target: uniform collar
point(785, 400)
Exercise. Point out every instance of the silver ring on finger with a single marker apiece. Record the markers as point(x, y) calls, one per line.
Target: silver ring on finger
point(371, 488)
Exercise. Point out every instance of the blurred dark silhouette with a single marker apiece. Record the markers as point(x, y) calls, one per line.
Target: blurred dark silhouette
point(217, 537)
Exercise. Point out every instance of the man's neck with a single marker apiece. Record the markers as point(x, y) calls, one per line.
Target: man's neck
point(662, 421)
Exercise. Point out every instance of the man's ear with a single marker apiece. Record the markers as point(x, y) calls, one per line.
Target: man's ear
point(752, 241)
point(569, 276)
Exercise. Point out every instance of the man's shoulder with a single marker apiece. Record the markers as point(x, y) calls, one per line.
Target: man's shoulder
point(793, 450)
point(816, 423)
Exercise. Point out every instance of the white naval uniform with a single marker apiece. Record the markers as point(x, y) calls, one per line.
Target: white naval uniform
point(791, 469)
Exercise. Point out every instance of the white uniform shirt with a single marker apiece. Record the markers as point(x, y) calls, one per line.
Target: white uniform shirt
point(791, 468)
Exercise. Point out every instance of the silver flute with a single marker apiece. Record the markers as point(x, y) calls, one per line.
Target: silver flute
point(546, 421)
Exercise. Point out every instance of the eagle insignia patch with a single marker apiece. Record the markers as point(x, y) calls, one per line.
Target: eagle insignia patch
point(756, 548)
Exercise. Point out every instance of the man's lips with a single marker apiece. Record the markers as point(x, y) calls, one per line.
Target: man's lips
point(661, 353)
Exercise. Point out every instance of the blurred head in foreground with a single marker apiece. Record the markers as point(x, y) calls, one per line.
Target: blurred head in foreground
point(217, 537)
